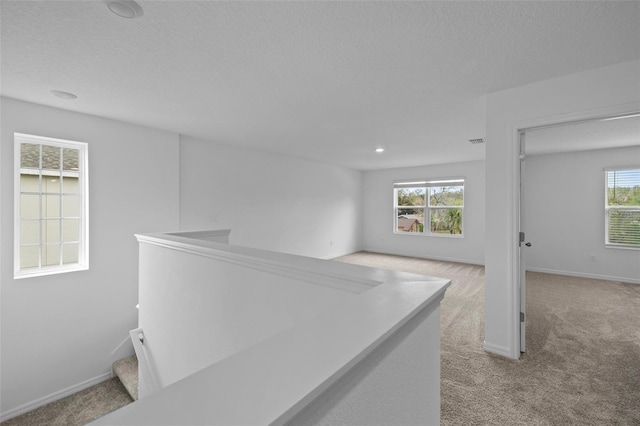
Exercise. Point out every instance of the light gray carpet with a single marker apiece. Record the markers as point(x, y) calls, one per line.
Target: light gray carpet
point(582, 366)
point(126, 370)
point(77, 409)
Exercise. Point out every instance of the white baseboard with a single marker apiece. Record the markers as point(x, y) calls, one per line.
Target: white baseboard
point(583, 275)
point(30, 406)
point(420, 256)
point(498, 350)
point(338, 254)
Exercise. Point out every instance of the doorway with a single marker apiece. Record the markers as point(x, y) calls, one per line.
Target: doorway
point(562, 199)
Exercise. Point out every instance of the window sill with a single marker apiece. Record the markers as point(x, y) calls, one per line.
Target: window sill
point(39, 272)
point(421, 234)
point(621, 247)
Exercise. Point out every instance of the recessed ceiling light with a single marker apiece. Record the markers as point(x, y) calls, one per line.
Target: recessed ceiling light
point(125, 8)
point(379, 149)
point(63, 95)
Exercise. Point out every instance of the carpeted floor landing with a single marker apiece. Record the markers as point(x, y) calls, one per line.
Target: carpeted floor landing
point(582, 366)
point(77, 409)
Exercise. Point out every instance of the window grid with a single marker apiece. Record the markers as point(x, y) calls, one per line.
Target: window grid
point(442, 207)
point(59, 218)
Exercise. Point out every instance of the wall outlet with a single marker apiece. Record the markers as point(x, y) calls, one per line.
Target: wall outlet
point(592, 257)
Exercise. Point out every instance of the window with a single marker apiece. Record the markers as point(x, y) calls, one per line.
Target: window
point(51, 206)
point(622, 208)
point(429, 207)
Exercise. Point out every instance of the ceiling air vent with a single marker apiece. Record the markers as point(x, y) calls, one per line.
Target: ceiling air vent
point(475, 141)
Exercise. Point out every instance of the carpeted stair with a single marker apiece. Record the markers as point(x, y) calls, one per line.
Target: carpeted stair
point(126, 370)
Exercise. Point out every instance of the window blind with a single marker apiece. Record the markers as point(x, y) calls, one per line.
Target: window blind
point(622, 207)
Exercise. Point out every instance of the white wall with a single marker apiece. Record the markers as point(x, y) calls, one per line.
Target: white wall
point(576, 96)
point(378, 233)
point(270, 201)
point(224, 302)
point(58, 331)
point(397, 384)
point(564, 215)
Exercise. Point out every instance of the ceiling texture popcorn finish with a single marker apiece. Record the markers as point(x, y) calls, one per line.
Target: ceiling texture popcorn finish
point(326, 81)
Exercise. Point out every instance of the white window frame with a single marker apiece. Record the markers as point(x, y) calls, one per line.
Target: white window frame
point(608, 208)
point(423, 183)
point(83, 208)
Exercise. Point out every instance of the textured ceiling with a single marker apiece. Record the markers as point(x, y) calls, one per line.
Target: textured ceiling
point(328, 81)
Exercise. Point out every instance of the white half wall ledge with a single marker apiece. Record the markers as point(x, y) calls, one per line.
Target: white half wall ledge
point(217, 235)
point(300, 267)
point(273, 380)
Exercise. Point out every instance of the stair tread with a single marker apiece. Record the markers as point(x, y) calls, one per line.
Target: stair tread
point(126, 370)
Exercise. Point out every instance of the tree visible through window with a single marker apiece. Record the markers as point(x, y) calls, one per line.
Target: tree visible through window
point(622, 208)
point(50, 206)
point(429, 207)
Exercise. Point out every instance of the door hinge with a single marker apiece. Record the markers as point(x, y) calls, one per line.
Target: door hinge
point(521, 316)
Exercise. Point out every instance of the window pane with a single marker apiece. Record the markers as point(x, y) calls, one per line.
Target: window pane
point(51, 224)
point(29, 155)
point(446, 196)
point(50, 231)
point(410, 220)
point(70, 185)
point(29, 257)
point(50, 254)
point(29, 183)
point(30, 232)
point(70, 253)
point(446, 221)
point(411, 196)
point(29, 206)
point(623, 187)
point(50, 206)
point(70, 206)
point(50, 157)
point(70, 159)
point(624, 226)
point(70, 230)
point(51, 184)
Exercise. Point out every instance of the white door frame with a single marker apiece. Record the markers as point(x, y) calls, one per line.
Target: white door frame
point(521, 127)
point(522, 241)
